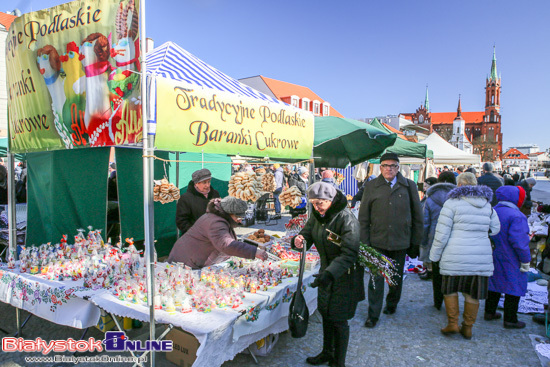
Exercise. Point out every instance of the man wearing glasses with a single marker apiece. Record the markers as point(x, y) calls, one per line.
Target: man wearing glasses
point(391, 221)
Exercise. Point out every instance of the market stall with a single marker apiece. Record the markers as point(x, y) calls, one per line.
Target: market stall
point(405, 148)
point(244, 123)
point(445, 153)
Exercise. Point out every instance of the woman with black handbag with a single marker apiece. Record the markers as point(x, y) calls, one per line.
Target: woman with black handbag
point(334, 230)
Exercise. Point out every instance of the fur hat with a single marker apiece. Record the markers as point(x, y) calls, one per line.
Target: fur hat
point(201, 175)
point(321, 190)
point(232, 205)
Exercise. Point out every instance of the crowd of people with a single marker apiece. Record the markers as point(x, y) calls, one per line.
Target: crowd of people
point(468, 230)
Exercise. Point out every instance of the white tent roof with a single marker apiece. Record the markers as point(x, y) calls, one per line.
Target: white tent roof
point(445, 153)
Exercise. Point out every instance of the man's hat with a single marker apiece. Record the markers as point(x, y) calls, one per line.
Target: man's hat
point(389, 157)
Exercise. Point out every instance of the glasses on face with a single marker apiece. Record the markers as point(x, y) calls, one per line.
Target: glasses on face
point(392, 166)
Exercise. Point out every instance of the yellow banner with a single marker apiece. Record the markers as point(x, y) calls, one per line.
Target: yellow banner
point(195, 119)
point(73, 76)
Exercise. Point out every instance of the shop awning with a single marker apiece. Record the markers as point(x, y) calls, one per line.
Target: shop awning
point(405, 148)
point(445, 153)
point(200, 109)
point(173, 62)
point(340, 141)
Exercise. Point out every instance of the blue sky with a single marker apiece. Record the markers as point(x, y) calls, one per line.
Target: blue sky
point(371, 58)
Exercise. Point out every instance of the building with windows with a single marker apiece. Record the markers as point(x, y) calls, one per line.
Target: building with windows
point(293, 94)
point(539, 160)
point(482, 128)
point(527, 148)
point(5, 22)
point(513, 158)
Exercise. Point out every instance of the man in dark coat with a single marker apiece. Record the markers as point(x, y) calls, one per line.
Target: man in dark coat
point(340, 278)
point(490, 179)
point(528, 185)
point(192, 204)
point(391, 221)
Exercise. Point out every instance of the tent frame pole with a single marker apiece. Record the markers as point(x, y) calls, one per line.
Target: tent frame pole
point(148, 165)
point(11, 206)
point(311, 181)
point(12, 227)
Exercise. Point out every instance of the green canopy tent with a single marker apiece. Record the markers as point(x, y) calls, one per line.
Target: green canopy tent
point(405, 148)
point(4, 150)
point(340, 141)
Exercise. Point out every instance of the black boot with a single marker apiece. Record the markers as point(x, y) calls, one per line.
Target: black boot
point(327, 354)
point(341, 340)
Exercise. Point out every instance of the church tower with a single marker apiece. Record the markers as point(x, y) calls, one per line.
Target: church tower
point(459, 138)
point(491, 126)
point(492, 93)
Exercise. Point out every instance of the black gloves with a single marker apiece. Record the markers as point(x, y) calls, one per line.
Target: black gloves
point(323, 279)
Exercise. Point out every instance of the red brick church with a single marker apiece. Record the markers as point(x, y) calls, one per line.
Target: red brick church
point(483, 128)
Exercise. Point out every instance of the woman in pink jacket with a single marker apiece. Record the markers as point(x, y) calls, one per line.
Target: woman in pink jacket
point(212, 239)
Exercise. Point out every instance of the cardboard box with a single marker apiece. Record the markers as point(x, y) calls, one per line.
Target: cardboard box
point(185, 347)
point(106, 322)
point(263, 346)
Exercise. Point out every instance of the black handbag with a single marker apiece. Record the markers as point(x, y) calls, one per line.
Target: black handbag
point(298, 313)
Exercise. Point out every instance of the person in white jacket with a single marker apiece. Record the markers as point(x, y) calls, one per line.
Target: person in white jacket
point(462, 247)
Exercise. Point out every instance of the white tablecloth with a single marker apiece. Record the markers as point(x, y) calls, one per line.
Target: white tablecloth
point(225, 329)
point(51, 300)
point(228, 330)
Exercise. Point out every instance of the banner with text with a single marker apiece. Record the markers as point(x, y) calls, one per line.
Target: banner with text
point(193, 119)
point(73, 76)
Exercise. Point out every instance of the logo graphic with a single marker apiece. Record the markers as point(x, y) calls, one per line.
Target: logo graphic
point(117, 341)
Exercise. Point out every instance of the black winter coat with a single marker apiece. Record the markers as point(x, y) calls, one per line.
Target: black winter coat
point(338, 301)
point(528, 203)
point(191, 206)
point(493, 181)
point(390, 218)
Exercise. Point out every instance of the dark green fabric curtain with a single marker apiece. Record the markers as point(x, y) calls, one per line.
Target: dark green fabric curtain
point(67, 190)
point(221, 172)
point(130, 200)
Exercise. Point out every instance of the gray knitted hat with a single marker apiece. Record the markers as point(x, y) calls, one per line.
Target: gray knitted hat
point(201, 175)
point(232, 205)
point(488, 167)
point(321, 190)
point(302, 170)
point(531, 181)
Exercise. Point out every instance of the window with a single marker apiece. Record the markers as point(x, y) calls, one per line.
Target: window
point(326, 109)
point(295, 101)
point(305, 104)
point(492, 118)
point(316, 107)
point(421, 119)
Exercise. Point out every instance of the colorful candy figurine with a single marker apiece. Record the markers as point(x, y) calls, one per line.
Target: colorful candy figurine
point(11, 260)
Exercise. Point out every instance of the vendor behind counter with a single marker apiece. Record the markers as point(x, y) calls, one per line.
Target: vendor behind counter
point(212, 238)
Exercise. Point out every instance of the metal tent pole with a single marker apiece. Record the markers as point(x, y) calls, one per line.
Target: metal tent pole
point(311, 181)
point(11, 206)
point(148, 162)
point(12, 225)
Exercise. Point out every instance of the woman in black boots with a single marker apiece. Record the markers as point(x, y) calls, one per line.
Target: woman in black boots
point(335, 232)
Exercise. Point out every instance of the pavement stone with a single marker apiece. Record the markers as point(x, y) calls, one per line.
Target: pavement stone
point(410, 337)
